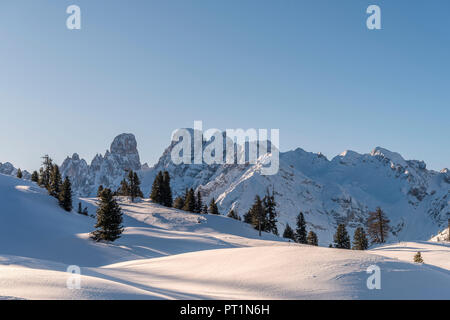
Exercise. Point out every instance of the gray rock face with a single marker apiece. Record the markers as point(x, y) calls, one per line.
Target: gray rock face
point(107, 170)
point(7, 168)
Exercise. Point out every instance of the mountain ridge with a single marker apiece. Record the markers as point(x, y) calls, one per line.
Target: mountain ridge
point(341, 190)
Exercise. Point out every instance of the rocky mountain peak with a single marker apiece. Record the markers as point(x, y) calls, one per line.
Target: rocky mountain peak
point(124, 144)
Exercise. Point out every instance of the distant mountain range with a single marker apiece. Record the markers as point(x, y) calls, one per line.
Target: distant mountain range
point(341, 190)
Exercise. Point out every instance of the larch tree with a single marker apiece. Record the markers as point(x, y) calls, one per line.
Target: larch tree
point(378, 226)
point(312, 239)
point(360, 241)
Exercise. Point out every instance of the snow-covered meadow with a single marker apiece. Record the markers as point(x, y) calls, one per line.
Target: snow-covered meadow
point(170, 254)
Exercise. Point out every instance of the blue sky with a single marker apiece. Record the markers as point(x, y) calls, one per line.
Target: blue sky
point(310, 68)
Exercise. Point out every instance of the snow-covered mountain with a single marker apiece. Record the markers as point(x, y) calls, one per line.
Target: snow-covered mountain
point(8, 169)
point(341, 190)
point(107, 170)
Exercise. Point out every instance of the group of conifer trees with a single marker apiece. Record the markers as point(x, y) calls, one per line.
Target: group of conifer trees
point(49, 177)
point(129, 187)
point(300, 234)
point(377, 231)
point(263, 215)
point(161, 192)
point(192, 202)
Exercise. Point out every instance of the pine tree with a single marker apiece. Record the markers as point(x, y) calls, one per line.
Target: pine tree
point(256, 215)
point(300, 232)
point(360, 241)
point(44, 179)
point(35, 176)
point(19, 174)
point(80, 209)
point(109, 218)
point(65, 195)
point(418, 258)
point(157, 193)
point(213, 209)
point(378, 226)
point(270, 213)
point(233, 215)
point(289, 233)
point(131, 187)
point(55, 182)
point(205, 209)
point(99, 190)
point(311, 239)
point(341, 238)
point(166, 190)
point(189, 202)
point(124, 189)
point(178, 203)
point(198, 203)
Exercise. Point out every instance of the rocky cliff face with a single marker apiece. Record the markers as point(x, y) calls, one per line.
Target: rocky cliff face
point(107, 170)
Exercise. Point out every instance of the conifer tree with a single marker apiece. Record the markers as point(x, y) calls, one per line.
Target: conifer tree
point(204, 209)
point(133, 183)
point(360, 241)
point(213, 209)
point(47, 166)
point(289, 233)
point(55, 182)
point(378, 226)
point(19, 174)
point(124, 189)
point(80, 209)
point(99, 190)
point(233, 215)
point(256, 215)
point(418, 258)
point(300, 232)
point(85, 211)
point(448, 223)
point(157, 193)
point(65, 195)
point(178, 203)
point(198, 203)
point(311, 239)
point(270, 213)
point(166, 191)
point(35, 176)
point(341, 238)
point(109, 218)
point(189, 202)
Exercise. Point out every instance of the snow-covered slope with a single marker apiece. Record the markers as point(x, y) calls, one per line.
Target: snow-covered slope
point(341, 190)
point(169, 254)
point(433, 254)
point(442, 236)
